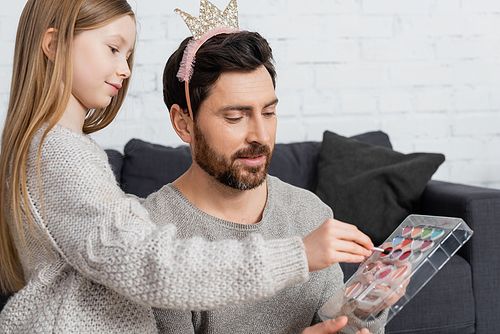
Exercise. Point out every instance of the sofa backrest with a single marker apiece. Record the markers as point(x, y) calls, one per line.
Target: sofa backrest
point(145, 167)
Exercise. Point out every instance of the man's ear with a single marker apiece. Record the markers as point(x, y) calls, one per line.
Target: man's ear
point(182, 123)
point(49, 43)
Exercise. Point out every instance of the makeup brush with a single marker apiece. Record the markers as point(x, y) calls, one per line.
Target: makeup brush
point(383, 251)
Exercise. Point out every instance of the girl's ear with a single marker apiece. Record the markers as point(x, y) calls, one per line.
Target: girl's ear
point(182, 123)
point(49, 43)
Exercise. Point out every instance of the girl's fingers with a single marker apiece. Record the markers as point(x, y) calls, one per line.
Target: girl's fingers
point(350, 247)
point(349, 258)
point(350, 232)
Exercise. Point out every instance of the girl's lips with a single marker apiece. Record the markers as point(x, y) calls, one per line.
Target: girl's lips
point(115, 87)
point(252, 161)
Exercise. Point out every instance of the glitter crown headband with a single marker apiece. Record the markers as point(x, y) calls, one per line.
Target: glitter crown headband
point(212, 21)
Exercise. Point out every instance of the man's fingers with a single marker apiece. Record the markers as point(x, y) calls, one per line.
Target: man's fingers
point(364, 331)
point(327, 327)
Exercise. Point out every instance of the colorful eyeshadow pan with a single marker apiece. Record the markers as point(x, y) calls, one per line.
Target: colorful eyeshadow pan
point(353, 290)
point(396, 254)
point(406, 242)
point(416, 232)
point(405, 256)
point(384, 273)
point(426, 245)
point(387, 249)
point(397, 241)
point(437, 234)
point(426, 233)
point(406, 231)
point(416, 244)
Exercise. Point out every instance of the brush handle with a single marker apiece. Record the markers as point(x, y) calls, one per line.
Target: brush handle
point(383, 251)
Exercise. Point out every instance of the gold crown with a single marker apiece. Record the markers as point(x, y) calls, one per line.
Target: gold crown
point(210, 17)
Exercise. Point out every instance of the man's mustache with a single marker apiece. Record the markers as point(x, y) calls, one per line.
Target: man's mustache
point(252, 151)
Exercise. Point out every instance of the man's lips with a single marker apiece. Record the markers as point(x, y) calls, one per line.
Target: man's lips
point(252, 161)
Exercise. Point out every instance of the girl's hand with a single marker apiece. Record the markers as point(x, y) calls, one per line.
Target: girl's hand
point(335, 241)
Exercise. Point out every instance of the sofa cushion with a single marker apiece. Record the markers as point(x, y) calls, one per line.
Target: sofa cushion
point(148, 167)
point(372, 187)
point(3, 300)
point(376, 138)
point(297, 163)
point(115, 159)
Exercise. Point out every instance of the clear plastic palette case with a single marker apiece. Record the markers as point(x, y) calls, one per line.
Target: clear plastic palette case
point(418, 249)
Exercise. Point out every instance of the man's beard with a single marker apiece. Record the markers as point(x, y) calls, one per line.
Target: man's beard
point(227, 172)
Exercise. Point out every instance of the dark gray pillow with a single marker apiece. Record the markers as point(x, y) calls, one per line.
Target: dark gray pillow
point(372, 187)
point(297, 163)
point(148, 167)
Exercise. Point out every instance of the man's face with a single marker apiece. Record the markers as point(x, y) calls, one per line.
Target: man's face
point(235, 129)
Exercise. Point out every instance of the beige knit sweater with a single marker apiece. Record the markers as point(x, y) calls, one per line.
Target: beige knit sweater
point(289, 211)
point(98, 264)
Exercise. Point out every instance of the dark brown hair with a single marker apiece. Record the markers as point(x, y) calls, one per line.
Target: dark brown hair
point(242, 51)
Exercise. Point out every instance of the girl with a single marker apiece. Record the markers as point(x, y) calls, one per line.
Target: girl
point(83, 256)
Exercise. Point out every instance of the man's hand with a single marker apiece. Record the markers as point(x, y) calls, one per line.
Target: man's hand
point(335, 241)
point(330, 327)
point(327, 327)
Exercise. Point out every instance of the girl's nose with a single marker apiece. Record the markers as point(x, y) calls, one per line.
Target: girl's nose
point(123, 70)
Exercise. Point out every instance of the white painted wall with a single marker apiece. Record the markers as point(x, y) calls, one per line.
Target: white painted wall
point(427, 72)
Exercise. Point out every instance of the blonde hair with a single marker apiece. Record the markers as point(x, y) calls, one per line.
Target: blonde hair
point(36, 97)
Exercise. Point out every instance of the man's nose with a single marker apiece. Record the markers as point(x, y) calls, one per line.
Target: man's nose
point(258, 132)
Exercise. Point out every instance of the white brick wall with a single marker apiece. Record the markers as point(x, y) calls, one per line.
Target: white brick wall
point(427, 72)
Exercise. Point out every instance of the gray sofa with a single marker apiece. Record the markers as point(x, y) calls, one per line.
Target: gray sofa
point(462, 298)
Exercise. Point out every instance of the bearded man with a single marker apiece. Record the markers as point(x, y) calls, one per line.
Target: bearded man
point(228, 116)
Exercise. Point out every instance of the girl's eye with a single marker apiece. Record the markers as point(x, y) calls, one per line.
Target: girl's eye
point(113, 49)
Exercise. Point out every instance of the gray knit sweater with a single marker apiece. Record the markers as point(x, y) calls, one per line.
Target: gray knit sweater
point(289, 211)
point(98, 264)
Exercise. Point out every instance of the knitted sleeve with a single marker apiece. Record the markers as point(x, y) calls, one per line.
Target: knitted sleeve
point(174, 321)
point(108, 237)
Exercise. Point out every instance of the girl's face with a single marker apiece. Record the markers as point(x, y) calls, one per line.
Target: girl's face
point(100, 62)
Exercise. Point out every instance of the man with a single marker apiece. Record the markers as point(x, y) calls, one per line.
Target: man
point(230, 125)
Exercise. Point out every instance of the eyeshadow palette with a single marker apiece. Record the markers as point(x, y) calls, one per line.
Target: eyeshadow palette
point(417, 250)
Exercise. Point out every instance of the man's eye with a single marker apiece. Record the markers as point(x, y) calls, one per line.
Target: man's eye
point(270, 114)
point(233, 119)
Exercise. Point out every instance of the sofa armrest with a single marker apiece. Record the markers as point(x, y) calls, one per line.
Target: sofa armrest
point(480, 209)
